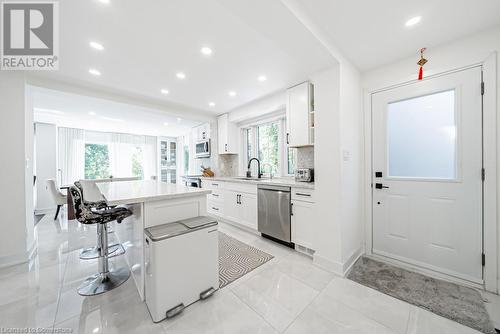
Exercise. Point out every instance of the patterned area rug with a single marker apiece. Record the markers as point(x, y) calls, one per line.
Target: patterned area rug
point(458, 303)
point(237, 259)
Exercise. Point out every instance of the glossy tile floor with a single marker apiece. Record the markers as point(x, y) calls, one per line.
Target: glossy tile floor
point(286, 295)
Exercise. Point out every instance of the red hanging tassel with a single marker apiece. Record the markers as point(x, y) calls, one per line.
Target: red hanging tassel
point(421, 62)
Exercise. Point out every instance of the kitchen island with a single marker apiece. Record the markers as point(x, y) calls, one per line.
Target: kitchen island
point(152, 203)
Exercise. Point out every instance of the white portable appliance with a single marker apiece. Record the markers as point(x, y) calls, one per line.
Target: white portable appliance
point(182, 265)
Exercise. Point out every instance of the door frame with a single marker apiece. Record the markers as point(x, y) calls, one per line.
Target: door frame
point(491, 127)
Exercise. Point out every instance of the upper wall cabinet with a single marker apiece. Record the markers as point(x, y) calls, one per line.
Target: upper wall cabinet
point(202, 132)
point(300, 115)
point(227, 135)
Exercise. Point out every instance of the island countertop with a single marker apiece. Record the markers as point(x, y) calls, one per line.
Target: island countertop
point(129, 192)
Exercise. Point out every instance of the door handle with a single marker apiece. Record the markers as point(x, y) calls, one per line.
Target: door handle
point(225, 146)
point(287, 138)
point(380, 186)
point(291, 209)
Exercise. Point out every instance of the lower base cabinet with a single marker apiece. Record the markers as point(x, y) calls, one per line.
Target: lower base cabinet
point(303, 223)
point(241, 208)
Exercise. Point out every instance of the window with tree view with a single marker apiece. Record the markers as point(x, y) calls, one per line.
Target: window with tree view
point(96, 161)
point(266, 141)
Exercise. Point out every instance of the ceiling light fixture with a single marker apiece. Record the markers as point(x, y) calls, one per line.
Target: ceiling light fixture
point(211, 104)
point(104, 2)
point(179, 119)
point(165, 91)
point(95, 72)
point(262, 78)
point(232, 93)
point(414, 20)
point(166, 124)
point(97, 46)
point(181, 75)
point(206, 51)
point(92, 113)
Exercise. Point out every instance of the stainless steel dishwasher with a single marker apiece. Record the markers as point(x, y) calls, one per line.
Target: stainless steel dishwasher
point(274, 212)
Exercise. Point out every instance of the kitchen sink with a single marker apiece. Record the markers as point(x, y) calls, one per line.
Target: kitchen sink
point(248, 178)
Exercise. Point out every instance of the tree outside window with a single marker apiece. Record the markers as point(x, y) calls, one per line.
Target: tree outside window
point(268, 144)
point(96, 161)
point(137, 163)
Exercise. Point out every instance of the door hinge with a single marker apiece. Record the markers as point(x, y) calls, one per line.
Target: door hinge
point(483, 174)
point(483, 259)
point(482, 87)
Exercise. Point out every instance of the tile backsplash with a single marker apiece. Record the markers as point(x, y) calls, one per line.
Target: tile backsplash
point(305, 157)
point(227, 165)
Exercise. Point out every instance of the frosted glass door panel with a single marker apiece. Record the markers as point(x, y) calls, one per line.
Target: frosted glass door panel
point(421, 135)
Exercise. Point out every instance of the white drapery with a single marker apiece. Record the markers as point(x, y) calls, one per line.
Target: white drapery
point(124, 150)
point(71, 155)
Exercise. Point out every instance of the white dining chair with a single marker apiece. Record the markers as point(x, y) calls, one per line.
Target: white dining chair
point(58, 197)
point(90, 191)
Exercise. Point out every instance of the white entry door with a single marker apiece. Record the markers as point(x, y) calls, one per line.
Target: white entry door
point(427, 174)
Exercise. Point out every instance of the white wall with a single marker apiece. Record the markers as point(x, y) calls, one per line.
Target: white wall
point(467, 51)
point(16, 184)
point(338, 162)
point(46, 165)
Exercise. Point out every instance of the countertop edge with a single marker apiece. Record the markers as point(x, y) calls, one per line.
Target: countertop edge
point(157, 197)
point(304, 185)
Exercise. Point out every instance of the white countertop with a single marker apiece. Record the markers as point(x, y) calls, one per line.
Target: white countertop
point(283, 181)
point(128, 192)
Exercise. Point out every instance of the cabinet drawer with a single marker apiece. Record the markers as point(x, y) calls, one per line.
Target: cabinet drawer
point(216, 195)
point(215, 208)
point(302, 194)
point(241, 187)
point(212, 184)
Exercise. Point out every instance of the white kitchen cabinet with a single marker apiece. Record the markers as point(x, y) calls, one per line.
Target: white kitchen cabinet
point(227, 135)
point(300, 115)
point(201, 132)
point(241, 208)
point(303, 223)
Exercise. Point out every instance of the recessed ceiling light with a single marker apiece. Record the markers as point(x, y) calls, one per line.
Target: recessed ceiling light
point(181, 75)
point(104, 1)
point(232, 93)
point(414, 20)
point(211, 104)
point(92, 113)
point(164, 91)
point(95, 72)
point(166, 124)
point(97, 46)
point(206, 51)
point(179, 119)
point(262, 78)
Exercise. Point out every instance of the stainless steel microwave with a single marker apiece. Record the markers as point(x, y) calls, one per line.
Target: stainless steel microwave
point(203, 149)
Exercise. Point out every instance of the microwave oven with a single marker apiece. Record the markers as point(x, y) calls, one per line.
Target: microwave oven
point(203, 149)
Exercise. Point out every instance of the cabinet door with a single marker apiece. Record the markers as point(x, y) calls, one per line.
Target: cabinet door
point(303, 223)
point(232, 206)
point(297, 113)
point(248, 210)
point(222, 133)
point(227, 136)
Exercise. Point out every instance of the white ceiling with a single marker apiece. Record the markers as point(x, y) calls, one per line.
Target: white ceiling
point(147, 43)
point(72, 110)
point(373, 33)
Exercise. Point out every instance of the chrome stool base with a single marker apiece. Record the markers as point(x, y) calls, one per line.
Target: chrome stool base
point(101, 283)
point(93, 252)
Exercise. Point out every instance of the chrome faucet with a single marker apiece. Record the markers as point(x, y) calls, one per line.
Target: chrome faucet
point(249, 171)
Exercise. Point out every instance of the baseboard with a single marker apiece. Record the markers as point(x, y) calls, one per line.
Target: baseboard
point(351, 260)
point(12, 260)
point(44, 211)
point(328, 265)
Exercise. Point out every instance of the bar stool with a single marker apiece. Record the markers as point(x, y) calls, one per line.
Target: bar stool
point(105, 280)
point(96, 204)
